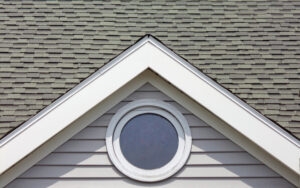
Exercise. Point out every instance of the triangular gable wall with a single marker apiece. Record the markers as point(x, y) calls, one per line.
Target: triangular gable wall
point(238, 121)
point(215, 161)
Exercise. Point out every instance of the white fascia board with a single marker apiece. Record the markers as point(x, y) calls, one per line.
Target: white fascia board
point(73, 105)
point(269, 137)
point(223, 91)
point(148, 54)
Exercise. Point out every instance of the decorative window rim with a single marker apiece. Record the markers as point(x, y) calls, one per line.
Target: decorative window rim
point(145, 106)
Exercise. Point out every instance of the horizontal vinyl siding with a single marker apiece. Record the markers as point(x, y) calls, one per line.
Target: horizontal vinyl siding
point(94, 159)
point(215, 161)
point(189, 171)
point(93, 133)
point(94, 146)
point(174, 183)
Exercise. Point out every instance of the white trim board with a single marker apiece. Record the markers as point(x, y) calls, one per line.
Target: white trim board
point(148, 53)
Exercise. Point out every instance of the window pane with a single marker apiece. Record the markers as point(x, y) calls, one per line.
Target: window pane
point(148, 141)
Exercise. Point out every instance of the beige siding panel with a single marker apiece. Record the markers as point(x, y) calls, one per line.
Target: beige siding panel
point(101, 159)
point(83, 146)
point(91, 133)
point(104, 120)
point(221, 158)
point(215, 146)
point(148, 95)
point(198, 146)
point(72, 172)
point(179, 107)
point(205, 133)
point(114, 109)
point(193, 121)
point(226, 171)
point(174, 183)
point(233, 171)
point(92, 159)
point(215, 161)
point(197, 133)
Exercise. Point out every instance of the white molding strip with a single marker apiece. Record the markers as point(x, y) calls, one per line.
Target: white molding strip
point(148, 53)
point(73, 91)
point(225, 92)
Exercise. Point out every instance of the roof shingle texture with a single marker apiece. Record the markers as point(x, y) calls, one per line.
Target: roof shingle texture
point(252, 48)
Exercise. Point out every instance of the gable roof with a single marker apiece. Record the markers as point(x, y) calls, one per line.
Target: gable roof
point(249, 47)
point(149, 54)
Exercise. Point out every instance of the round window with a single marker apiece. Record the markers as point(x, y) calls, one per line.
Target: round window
point(148, 140)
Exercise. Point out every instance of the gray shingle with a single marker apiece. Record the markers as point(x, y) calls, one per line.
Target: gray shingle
point(249, 47)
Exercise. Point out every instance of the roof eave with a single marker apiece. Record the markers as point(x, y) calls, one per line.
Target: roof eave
point(148, 53)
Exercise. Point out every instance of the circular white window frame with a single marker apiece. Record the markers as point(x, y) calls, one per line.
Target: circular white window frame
point(146, 106)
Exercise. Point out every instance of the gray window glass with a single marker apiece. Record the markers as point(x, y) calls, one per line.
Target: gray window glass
point(148, 141)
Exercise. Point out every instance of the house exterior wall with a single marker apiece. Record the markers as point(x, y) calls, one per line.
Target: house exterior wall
point(215, 161)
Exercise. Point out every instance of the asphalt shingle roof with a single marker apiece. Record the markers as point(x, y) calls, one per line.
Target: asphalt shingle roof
point(252, 48)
